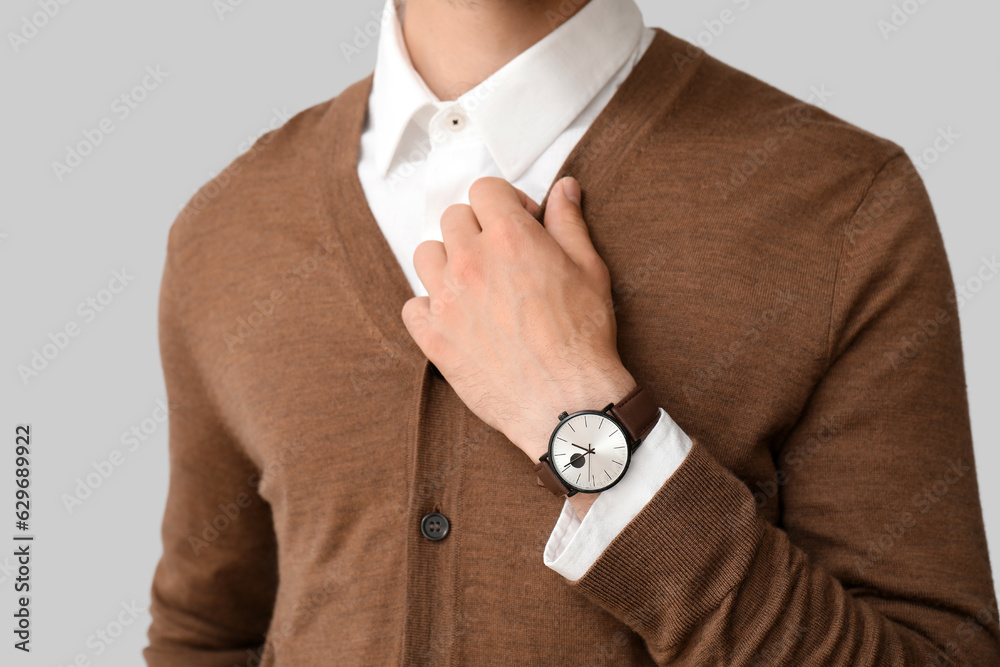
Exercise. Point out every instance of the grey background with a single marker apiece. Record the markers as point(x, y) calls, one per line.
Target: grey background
point(227, 73)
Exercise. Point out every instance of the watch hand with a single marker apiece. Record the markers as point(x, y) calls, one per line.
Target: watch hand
point(577, 457)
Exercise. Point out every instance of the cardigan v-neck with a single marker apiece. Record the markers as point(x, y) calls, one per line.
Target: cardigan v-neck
point(376, 272)
point(780, 287)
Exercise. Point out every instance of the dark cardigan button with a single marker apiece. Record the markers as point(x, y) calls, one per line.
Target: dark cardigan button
point(434, 526)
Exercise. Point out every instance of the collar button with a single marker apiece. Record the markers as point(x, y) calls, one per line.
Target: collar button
point(455, 121)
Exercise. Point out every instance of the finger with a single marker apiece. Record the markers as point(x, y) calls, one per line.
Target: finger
point(416, 317)
point(429, 260)
point(564, 222)
point(459, 225)
point(529, 204)
point(495, 201)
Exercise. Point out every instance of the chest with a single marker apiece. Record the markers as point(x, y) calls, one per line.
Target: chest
point(326, 388)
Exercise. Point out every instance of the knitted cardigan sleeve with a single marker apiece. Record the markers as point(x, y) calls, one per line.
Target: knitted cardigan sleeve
point(880, 555)
point(214, 588)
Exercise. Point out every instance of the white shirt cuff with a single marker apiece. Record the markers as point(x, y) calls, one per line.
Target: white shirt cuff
point(575, 545)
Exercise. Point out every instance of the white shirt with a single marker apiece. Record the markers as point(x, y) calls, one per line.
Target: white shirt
point(420, 155)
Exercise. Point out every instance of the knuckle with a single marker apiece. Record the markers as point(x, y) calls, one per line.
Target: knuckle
point(434, 346)
point(455, 213)
point(482, 185)
point(438, 307)
point(413, 315)
point(421, 252)
point(431, 248)
point(419, 320)
point(594, 266)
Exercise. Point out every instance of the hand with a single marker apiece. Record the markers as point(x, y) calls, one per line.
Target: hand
point(519, 317)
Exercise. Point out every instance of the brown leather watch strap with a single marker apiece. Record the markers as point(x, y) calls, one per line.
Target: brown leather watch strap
point(547, 478)
point(637, 413)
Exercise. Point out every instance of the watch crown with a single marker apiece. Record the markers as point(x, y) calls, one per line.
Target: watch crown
point(563, 415)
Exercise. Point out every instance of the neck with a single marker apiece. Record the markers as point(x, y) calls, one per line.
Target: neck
point(457, 44)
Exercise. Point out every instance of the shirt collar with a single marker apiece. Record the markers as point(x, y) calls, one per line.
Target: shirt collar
point(521, 109)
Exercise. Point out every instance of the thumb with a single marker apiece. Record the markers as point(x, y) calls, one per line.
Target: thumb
point(564, 221)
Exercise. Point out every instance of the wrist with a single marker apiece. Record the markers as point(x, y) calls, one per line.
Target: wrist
point(584, 394)
point(582, 502)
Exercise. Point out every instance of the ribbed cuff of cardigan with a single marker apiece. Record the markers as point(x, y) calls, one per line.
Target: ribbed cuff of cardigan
point(573, 545)
point(683, 553)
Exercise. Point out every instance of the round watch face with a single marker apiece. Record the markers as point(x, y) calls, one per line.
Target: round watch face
point(589, 451)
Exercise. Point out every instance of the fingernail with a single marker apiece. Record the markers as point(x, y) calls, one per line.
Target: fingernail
point(571, 189)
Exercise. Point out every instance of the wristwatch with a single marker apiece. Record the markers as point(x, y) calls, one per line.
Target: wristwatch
point(590, 451)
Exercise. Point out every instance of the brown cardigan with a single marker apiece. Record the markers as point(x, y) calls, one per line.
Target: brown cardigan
point(781, 289)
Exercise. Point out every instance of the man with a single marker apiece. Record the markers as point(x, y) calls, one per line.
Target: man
point(367, 337)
